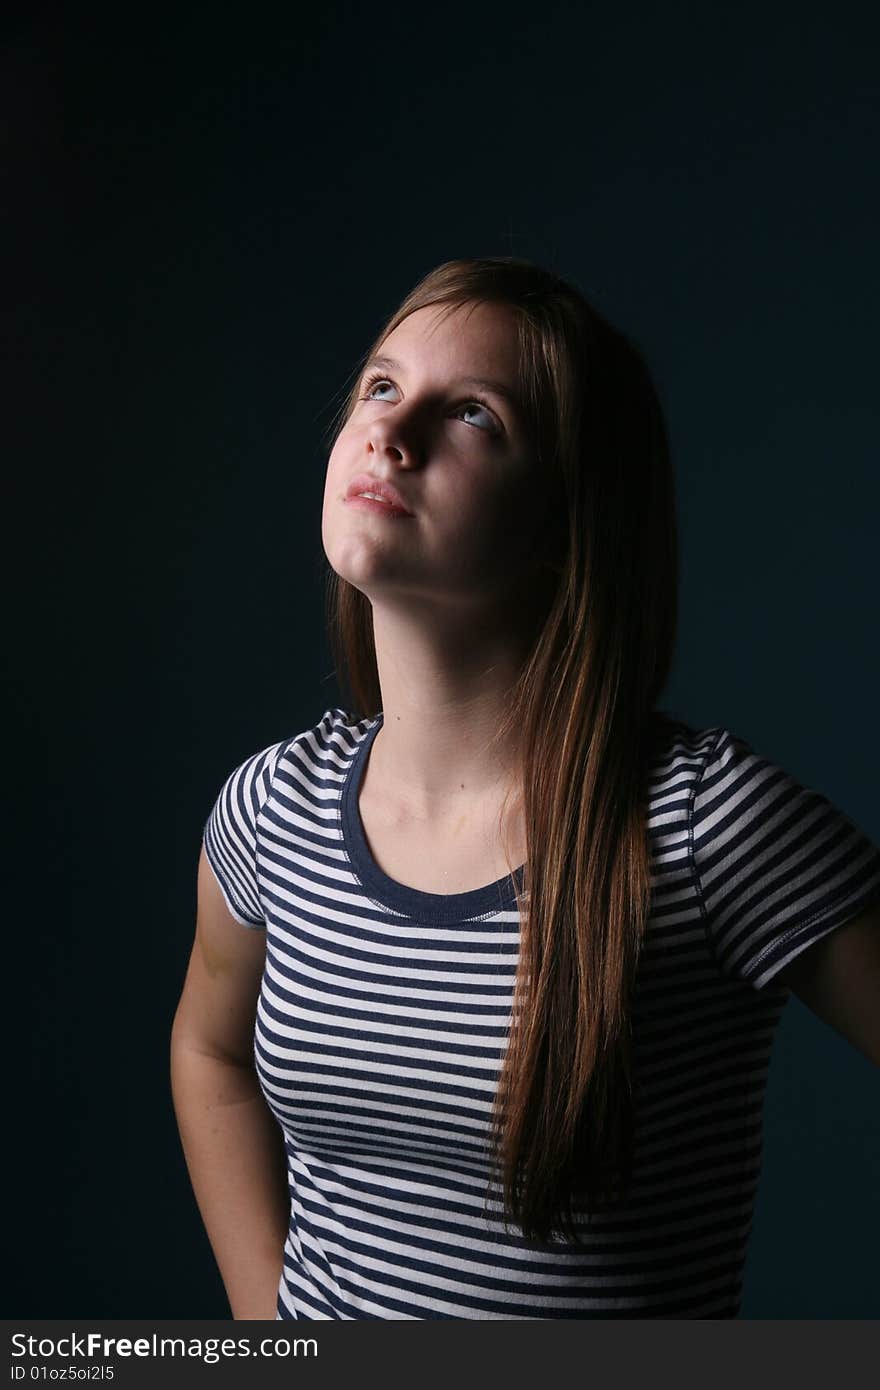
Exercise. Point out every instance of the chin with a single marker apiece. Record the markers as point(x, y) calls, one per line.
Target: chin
point(357, 558)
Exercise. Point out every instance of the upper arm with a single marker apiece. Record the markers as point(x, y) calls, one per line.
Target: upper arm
point(838, 977)
point(217, 1007)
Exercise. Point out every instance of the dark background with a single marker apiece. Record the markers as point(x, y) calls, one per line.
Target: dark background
point(207, 217)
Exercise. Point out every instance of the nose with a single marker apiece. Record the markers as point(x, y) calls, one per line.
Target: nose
point(394, 440)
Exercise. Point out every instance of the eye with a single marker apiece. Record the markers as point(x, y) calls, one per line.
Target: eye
point(371, 383)
point(492, 427)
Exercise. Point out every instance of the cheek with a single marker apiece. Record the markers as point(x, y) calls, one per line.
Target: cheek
point(334, 476)
point(333, 488)
point(506, 503)
point(486, 527)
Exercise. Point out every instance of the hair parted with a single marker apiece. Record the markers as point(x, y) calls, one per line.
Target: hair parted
point(583, 710)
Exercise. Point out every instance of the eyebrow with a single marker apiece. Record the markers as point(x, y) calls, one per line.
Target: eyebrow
point(484, 383)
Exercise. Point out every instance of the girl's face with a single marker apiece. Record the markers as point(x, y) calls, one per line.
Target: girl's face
point(437, 419)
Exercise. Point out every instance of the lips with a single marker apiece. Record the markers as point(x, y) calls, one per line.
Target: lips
point(364, 482)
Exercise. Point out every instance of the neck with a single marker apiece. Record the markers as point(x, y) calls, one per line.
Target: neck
point(444, 691)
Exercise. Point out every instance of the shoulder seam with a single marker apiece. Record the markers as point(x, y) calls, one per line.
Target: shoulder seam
point(695, 872)
point(281, 749)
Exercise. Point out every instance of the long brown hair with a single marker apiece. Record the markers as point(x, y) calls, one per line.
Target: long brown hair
point(583, 712)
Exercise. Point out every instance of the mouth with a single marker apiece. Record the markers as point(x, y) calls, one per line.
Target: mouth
point(372, 492)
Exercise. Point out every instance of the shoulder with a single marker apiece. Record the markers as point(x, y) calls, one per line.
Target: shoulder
point(250, 784)
point(721, 771)
point(676, 757)
point(319, 751)
point(743, 790)
point(336, 730)
point(262, 790)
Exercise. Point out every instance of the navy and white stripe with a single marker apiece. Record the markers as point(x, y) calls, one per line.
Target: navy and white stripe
point(383, 1014)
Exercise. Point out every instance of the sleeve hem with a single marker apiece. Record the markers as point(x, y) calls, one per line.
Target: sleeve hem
point(805, 934)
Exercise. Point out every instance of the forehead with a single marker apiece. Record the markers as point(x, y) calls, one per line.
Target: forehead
point(471, 339)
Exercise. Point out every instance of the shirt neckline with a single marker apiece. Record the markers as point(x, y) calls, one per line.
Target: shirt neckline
point(413, 902)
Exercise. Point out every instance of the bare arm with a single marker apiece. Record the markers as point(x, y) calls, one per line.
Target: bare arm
point(233, 1146)
point(839, 979)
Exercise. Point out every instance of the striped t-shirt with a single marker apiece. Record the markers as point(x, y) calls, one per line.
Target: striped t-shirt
point(383, 1013)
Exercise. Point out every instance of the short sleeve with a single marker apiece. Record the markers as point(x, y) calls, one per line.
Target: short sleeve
point(777, 865)
point(230, 834)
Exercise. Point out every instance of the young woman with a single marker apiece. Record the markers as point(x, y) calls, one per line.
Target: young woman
point(496, 1043)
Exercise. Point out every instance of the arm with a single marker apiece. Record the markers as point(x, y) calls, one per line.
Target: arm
point(232, 1143)
point(838, 977)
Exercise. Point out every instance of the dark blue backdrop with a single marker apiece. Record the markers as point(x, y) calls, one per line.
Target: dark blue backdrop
point(209, 220)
